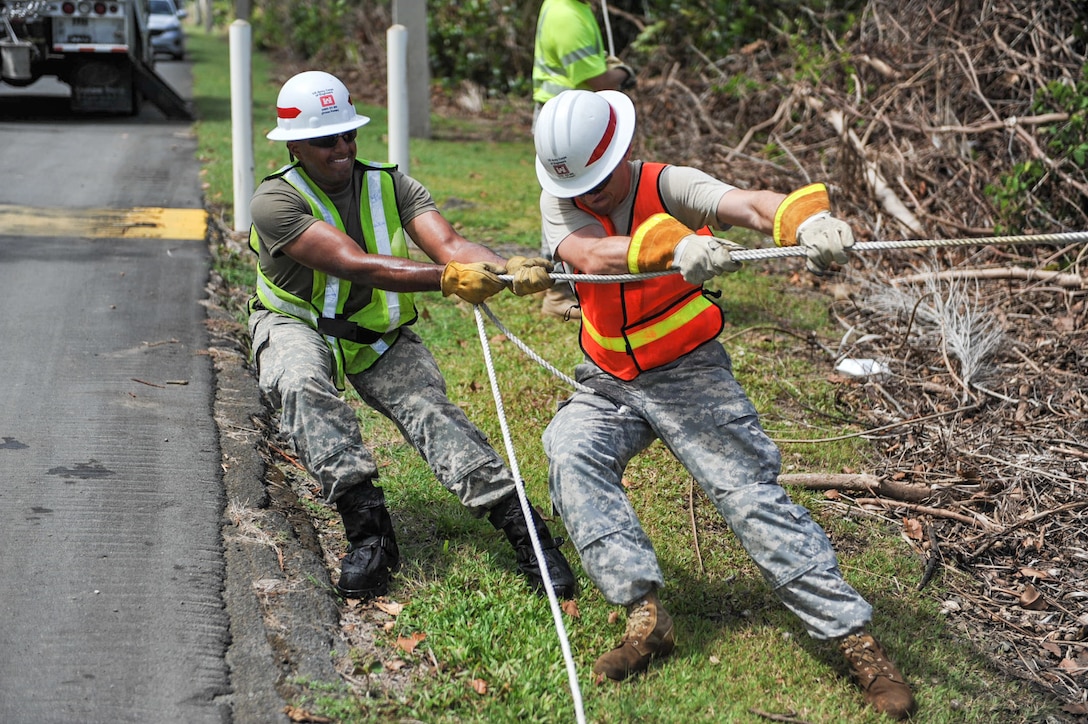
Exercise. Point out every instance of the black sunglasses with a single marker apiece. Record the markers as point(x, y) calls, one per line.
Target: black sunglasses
point(599, 187)
point(331, 141)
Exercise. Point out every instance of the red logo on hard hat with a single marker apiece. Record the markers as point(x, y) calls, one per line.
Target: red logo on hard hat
point(561, 169)
point(327, 100)
point(288, 112)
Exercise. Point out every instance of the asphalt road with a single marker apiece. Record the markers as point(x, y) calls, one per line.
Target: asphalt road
point(126, 593)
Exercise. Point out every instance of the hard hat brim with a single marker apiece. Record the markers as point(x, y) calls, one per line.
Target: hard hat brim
point(302, 134)
point(625, 131)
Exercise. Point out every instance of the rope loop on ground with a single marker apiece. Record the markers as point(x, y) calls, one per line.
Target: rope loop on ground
point(519, 485)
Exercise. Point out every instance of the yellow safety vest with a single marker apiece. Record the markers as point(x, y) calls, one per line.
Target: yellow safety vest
point(357, 337)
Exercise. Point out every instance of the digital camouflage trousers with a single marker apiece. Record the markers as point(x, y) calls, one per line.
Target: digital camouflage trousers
point(295, 374)
point(696, 407)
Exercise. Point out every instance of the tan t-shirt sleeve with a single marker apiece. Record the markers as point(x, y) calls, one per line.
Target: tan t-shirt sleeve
point(692, 196)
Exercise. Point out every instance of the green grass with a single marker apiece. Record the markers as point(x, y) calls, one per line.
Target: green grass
point(739, 651)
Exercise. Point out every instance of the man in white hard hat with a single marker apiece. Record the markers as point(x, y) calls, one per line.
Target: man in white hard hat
point(335, 295)
point(658, 372)
point(569, 53)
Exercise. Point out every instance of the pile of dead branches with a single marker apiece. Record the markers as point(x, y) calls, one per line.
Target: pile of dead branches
point(930, 104)
point(980, 422)
point(979, 413)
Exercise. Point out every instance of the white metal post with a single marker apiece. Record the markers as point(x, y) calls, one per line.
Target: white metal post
point(397, 83)
point(241, 120)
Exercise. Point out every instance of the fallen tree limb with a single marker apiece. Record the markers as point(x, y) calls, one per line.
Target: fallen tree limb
point(1067, 281)
point(859, 483)
point(926, 510)
point(880, 188)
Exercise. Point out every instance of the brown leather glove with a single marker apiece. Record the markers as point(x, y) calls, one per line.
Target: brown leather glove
point(473, 282)
point(531, 274)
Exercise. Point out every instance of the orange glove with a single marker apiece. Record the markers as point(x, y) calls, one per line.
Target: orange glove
point(653, 243)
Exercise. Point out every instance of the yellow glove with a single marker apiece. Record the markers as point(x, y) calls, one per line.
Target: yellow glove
point(612, 62)
point(531, 275)
point(473, 282)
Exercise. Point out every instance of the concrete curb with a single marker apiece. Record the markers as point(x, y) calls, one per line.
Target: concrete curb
point(284, 620)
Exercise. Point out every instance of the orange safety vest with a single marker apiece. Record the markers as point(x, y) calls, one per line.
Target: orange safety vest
point(631, 327)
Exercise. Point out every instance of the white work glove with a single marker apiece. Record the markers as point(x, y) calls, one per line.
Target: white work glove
point(826, 240)
point(701, 258)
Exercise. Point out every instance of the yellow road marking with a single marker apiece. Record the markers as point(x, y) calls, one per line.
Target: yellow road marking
point(136, 223)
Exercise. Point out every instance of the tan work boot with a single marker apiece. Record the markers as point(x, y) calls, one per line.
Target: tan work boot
point(885, 688)
point(649, 635)
point(559, 301)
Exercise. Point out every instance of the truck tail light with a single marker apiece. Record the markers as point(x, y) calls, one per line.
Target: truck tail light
point(68, 8)
point(100, 8)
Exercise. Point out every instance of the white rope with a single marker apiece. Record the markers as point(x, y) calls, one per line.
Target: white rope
point(531, 353)
point(519, 485)
point(1068, 237)
point(607, 27)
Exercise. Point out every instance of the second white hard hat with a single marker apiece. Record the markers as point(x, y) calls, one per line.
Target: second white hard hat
point(314, 104)
point(581, 137)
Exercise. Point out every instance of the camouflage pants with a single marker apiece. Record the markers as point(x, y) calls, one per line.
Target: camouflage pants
point(696, 407)
point(295, 374)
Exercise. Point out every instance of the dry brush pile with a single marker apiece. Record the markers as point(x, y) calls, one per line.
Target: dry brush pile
point(980, 424)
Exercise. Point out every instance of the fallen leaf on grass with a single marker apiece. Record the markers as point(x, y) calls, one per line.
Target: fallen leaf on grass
point(392, 608)
point(1031, 599)
point(1034, 573)
point(571, 609)
point(294, 713)
point(479, 686)
point(1070, 667)
point(912, 528)
point(408, 644)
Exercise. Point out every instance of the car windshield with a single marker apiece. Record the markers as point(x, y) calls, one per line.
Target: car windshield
point(161, 7)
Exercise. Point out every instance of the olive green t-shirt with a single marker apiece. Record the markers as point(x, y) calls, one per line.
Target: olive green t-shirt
point(281, 214)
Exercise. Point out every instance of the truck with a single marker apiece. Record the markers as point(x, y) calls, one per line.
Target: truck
point(100, 48)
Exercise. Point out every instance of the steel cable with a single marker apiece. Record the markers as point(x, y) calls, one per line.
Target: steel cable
point(777, 252)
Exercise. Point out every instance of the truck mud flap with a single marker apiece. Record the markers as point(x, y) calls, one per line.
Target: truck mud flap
point(158, 91)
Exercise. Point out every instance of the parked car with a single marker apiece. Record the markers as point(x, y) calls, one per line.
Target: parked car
point(164, 22)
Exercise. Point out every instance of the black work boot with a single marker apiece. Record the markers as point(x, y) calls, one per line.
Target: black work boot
point(373, 556)
point(507, 517)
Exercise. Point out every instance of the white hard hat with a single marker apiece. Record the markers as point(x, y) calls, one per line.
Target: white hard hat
point(314, 104)
point(581, 137)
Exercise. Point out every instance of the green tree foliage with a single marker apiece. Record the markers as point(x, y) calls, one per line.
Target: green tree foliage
point(490, 42)
point(1037, 192)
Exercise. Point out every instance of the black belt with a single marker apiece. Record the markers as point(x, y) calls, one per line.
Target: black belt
point(346, 329)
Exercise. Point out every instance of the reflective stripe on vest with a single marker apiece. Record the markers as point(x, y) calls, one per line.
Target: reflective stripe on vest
point(356, 336)
point(631, 327)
